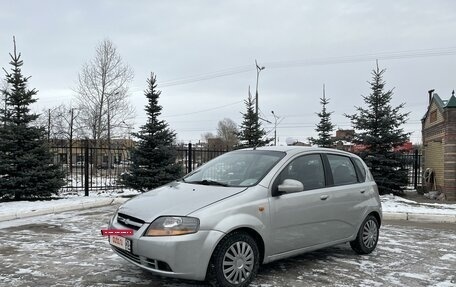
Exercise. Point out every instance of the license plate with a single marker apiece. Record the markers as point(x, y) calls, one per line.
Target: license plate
point(120, 242)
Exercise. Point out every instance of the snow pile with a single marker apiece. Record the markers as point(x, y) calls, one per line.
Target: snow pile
point(396, 204)
point(70, 201)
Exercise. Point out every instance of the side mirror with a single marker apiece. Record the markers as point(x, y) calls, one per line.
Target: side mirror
point(290, 186)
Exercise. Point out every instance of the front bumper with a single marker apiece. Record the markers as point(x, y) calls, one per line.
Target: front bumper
point(184, 256)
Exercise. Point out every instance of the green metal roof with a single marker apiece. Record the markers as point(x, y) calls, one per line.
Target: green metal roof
point(451, 102)
point(441, 104)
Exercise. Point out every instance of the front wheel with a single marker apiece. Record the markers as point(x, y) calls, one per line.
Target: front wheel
point(367, 237)
point(235, 261)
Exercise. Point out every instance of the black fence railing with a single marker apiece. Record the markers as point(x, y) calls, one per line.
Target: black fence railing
point(414, 167)
point(89, 167)
point(191, 156)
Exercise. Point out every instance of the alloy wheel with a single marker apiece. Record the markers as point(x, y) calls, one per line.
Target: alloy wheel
point(238, 262)
point(370, 233)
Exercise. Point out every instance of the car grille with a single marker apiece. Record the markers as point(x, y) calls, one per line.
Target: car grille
point(148, 262)
point(129, 221)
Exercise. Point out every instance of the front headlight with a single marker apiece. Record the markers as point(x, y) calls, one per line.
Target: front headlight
point(173, 225)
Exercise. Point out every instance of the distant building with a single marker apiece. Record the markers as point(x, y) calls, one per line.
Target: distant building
point(406, 147)
point(439, 143)
point(345, 135)
point(343, 139)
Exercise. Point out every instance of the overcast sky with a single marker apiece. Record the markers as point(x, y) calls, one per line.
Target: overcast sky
point(302, 44)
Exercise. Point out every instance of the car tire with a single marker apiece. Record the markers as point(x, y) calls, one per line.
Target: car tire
point(367, 237)
point(235, 261)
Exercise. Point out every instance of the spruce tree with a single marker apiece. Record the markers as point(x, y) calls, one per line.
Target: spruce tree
point(251, 133)
point(378, 130)
point(154, 158)
point(325, 126)
point(26, 163)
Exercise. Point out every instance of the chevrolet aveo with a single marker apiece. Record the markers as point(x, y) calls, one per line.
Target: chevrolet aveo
point(250, 207)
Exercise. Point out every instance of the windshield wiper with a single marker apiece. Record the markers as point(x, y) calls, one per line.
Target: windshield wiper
point(208, 182)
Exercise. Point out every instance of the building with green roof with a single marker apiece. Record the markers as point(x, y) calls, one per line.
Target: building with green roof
point(439, 145)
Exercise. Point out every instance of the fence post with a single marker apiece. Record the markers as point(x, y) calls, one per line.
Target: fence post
point(189, 158)
point(86, 167)
point(415, 169)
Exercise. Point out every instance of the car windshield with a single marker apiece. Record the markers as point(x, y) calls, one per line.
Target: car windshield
point(237, 168)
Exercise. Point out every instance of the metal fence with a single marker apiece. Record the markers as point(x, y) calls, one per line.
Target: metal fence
point(191, 156)
point(414, 167)
point(89, 166)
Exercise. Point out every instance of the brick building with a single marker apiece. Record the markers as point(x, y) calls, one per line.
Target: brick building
point(343, 140)
point(439, 143)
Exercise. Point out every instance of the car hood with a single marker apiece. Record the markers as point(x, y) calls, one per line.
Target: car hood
point(177, 198)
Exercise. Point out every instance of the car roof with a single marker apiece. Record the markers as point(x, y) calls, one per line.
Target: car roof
point(299, 149)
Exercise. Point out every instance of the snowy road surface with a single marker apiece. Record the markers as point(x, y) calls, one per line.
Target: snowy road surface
point(67, 249)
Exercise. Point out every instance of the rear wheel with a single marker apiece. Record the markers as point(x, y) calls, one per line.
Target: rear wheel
point(235, 261)
point(367, 237)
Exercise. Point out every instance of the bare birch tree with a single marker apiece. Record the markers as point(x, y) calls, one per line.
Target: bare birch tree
point(102, 94)
point(228, 132)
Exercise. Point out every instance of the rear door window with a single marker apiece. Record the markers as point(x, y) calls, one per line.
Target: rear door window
point(343, 170)
point(361, 170)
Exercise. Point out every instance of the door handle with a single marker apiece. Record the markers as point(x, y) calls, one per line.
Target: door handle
point(324, 197)
point(362, 191)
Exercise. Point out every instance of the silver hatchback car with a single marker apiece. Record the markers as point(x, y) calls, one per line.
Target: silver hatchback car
point(250, 207)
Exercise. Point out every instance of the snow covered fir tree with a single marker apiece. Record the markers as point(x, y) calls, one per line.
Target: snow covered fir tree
point(154, 158)
point(378, 130)
point(26, 163)
point(325, 126)
point(251, 133)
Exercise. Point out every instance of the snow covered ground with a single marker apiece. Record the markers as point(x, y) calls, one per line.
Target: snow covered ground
point(396, 204)
point(67, 249)
point(70, 201)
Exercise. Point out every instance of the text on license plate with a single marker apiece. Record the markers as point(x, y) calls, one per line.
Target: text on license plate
point(120, 242)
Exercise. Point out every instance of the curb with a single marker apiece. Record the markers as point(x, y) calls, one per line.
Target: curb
point(63, 208)
point(420, 217)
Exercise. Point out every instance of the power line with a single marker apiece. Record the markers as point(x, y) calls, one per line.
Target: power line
point(207, 76)
point(203, 111)
point(407, 54)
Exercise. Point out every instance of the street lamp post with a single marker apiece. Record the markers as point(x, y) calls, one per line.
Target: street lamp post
point(259, 69)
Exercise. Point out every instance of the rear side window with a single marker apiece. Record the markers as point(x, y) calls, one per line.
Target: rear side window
point(343, 170)
point(361, 170)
